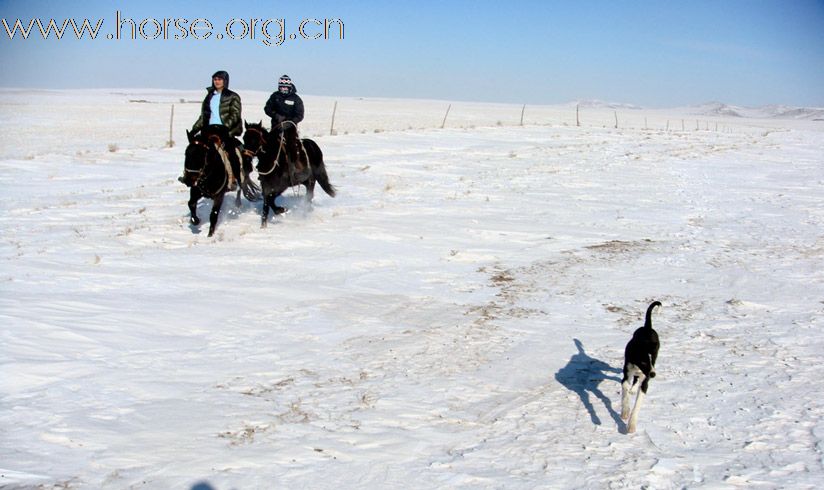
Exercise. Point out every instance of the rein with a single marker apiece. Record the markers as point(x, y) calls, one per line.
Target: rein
point(275, 163)
point(253, 154)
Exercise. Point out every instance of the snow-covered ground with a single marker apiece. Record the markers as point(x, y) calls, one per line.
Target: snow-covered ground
point(454, 318)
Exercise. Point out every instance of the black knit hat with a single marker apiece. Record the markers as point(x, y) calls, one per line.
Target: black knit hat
point(285, 81)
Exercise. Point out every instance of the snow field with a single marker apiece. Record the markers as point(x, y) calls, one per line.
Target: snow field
point(456, 317)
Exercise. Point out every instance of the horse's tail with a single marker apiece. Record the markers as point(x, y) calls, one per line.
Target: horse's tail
point(251, 191)
point(323, 180)
point(318, 167)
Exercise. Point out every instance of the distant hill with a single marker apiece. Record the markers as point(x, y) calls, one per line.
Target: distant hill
point(764, 112)
point(600, 104)
point(718, 109)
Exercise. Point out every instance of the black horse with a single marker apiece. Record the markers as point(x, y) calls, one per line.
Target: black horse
point(204, 171)
point(284, 161)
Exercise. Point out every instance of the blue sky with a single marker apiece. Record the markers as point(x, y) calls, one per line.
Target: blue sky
point(649, 53)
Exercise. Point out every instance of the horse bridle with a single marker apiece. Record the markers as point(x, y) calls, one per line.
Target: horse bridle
point(200, 171)
point(253, 154)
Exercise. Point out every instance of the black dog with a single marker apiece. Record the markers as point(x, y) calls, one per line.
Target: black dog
point(639, 367)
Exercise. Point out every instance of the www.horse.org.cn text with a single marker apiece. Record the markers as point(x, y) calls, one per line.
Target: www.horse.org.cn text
point(269, 32)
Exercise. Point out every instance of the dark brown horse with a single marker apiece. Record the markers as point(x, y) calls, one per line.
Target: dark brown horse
point(284, 160)
point(204, 172)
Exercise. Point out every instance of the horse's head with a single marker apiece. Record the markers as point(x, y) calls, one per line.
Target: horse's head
point(200, 151)
point(195, 159)
point(254, 138)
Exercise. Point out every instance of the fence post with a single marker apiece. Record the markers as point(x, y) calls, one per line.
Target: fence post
point(577, 117)
point(443, 124)
point(522, 114)
point(171, 142)
point(332, 127)
point(616, 119)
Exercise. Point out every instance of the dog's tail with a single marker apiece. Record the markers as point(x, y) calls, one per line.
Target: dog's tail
point(648, 322)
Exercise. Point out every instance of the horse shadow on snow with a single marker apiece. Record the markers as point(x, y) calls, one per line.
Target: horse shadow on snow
point(583, 375)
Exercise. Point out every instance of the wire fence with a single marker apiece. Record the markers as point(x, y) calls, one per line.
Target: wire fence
point(110, 120)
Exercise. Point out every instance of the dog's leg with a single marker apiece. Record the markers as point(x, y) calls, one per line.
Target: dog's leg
point(629, 386)
point(625, 387)
point(635, 384)
point(633, 418)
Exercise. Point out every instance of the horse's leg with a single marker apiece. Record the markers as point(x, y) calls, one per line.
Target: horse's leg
point(217, 202)
point(310, 188)
point(269, 202)
point(236, 159)
point(264, 215)
point(275, 208)
point(247, 166)
point(247, 186)
point(245, 170)
point(194, 196)
point(276, 190)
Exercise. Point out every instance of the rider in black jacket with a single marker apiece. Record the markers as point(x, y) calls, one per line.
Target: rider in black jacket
point(285, 104)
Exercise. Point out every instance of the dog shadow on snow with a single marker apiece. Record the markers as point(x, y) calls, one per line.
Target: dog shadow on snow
point(583, 375)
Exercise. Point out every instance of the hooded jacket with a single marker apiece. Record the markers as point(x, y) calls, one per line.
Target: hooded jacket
point(230, 108)
point(282, 107)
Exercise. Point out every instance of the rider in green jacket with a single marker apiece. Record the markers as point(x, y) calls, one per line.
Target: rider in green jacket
point(220, 113)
